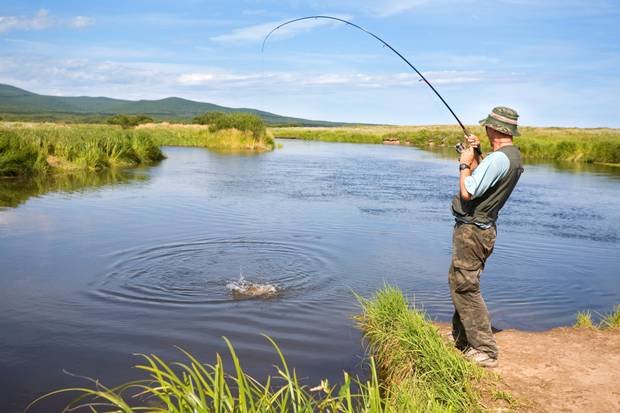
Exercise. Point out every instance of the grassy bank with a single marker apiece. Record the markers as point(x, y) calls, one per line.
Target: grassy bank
point(606, 321)
point(416, 371)
point(200, 135)
point(545, 144)
point(419, 370)
point(37, 149)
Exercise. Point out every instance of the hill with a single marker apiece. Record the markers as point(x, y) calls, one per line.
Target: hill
point(20, 104)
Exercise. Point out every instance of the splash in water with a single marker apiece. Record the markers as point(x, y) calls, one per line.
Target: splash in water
point(243, 288)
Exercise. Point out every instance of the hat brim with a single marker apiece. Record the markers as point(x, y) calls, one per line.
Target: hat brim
point(500, 126)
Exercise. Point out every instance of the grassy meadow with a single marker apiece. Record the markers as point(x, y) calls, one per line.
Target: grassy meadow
point(536, 144)
point(29, 149)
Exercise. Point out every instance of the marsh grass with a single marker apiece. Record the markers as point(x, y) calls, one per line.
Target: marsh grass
point(420, 371)
point(546, 144)
point(35, 149)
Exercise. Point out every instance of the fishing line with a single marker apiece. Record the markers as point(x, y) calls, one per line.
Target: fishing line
point(386, 44)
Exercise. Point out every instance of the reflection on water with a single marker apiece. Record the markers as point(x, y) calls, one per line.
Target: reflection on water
point(88, 279)
point(16, 191)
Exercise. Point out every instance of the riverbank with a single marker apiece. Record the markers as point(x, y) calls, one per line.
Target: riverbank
point(412, 367)
point(29, 149)
point(601, 145)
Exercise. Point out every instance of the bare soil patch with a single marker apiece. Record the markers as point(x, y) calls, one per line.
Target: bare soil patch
point(561, 370)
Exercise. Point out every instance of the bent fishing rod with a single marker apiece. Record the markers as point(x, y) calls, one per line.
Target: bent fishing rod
point(459, 147)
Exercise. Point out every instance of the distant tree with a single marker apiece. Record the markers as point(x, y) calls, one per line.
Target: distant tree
point(207, 118)
point(128, 121)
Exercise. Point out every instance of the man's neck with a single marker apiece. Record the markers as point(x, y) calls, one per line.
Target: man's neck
point(500, 143)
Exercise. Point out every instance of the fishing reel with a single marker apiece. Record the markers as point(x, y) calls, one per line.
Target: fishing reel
point(459, 147)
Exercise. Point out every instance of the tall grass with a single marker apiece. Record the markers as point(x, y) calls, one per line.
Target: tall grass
point(34, 149)
point(194, 387)
point(203, 136)
point(418, 368)
point(612, 320)
point(29, 150)
point(416, 371)
point(550, 144)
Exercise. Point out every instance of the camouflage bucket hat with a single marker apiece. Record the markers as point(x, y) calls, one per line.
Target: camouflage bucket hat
point(503, 120)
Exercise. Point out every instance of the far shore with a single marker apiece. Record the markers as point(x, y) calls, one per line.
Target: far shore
point(579, 145)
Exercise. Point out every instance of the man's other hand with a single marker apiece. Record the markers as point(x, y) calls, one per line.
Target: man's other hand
point(473, 141)
point(467, 156)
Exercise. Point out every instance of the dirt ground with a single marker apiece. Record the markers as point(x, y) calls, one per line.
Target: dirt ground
point(560, 370)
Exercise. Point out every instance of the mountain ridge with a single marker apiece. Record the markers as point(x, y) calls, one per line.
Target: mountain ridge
point(22, 104)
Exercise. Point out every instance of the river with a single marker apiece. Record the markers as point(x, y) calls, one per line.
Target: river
point(141, 262)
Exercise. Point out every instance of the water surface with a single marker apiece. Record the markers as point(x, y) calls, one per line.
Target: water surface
point(90, 277)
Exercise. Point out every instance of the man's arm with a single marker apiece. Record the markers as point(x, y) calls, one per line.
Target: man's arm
point(473, 184)
point(467, 158)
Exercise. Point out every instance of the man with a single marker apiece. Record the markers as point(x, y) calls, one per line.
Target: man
point(484, 187)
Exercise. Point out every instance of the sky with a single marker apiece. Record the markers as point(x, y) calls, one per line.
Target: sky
point(557, 62)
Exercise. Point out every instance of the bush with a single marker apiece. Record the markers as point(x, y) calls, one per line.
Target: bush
point(240, 121)
point(129, 121)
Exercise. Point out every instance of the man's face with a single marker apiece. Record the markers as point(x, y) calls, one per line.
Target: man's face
point(493, 134)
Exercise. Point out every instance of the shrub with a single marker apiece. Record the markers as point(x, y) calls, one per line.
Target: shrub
point(240, 121)
point(129, 121)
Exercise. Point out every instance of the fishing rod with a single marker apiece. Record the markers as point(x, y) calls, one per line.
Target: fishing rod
point(459, 147)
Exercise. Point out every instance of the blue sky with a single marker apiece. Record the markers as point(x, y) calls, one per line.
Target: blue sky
point(556, 61)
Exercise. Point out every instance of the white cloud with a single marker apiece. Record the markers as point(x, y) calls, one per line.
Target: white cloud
point(81, 21)
point(256, 33)
point(42, 20)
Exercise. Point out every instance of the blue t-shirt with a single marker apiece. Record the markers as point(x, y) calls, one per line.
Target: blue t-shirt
point(492, 168)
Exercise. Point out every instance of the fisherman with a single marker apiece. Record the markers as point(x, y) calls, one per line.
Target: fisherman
point(484, 187)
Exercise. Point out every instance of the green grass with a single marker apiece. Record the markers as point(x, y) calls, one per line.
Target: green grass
point(611, 320)
point(191, 386)
point(607, 321)
point(537, 144)
point(420, 371)
point(416, 371)
point(37, 149)
point(584, 320)
point(202, 136)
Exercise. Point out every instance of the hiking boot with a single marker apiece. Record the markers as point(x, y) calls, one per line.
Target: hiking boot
point(480, 358)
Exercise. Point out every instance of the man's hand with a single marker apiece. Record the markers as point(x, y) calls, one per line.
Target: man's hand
point(473, 141)
point(467, 156)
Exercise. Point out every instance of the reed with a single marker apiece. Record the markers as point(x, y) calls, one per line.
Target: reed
point(35, 149)
point(600, 145)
